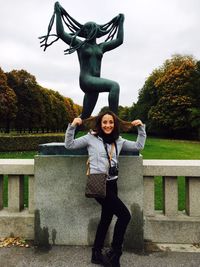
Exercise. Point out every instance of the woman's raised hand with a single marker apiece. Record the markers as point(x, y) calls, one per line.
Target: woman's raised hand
point(77, 122)
point(137, 123)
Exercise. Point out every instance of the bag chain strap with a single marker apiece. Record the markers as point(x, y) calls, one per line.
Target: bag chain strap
point(109, 156)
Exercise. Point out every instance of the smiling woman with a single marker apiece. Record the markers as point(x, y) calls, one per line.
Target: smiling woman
point(104, 146)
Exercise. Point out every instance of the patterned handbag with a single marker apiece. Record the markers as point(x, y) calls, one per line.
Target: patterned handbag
point(96, 185)
point(96, 182)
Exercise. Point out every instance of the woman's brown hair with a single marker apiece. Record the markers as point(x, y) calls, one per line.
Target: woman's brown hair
point(95, 123)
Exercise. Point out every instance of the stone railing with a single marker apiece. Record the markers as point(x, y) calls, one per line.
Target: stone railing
point(15, 219)
point(165, 226)
point(170, 225)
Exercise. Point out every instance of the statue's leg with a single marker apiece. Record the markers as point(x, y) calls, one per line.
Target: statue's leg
point(113, 97)
point(99, 85)
point(89, 102)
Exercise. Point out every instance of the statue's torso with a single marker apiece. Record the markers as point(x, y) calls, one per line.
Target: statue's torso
point(90, 56)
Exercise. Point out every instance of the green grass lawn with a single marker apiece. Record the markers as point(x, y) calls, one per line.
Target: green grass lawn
point(155, 148)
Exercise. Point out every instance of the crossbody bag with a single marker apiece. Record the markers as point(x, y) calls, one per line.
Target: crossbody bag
point(96, 182)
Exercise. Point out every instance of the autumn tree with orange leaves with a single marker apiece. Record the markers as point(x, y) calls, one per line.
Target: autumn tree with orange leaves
point(170, 99)
point(8, 101)
point(27, 106)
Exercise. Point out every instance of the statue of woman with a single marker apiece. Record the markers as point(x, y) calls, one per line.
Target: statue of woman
point(90, 54)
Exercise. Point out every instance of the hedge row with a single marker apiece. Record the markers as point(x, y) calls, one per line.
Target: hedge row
point(27, 142)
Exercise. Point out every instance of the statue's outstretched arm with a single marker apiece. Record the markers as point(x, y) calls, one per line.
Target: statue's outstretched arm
point(70, 38)
point(107, 46)
point(66, 37)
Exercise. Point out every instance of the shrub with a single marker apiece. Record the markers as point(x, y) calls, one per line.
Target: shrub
point(27, 142)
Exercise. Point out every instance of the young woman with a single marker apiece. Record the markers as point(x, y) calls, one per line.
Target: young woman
point(99, 143)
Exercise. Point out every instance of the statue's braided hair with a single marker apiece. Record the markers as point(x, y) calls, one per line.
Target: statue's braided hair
point(75, 27)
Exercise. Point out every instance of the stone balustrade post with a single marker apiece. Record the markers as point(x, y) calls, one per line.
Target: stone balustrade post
point(170, 190)
point(15, 193)
point(193, 196)
point(149, 196)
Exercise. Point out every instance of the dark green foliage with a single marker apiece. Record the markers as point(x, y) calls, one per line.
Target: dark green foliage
point(27, 142)
point(25, 105)
point(170, 99)
point(8, 100)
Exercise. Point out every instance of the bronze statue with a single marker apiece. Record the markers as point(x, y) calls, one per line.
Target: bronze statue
point(90, 54)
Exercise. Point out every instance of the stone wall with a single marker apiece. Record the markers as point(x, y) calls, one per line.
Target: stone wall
point(64, 216)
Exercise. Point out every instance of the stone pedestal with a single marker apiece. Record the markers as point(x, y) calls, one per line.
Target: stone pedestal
point(64, 216)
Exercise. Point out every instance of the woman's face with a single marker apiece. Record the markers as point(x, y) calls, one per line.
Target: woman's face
point(107, 124)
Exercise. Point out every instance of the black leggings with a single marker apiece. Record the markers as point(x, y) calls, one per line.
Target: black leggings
point(112, 205)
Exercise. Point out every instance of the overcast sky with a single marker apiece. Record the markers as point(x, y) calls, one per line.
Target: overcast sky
point(154, 31)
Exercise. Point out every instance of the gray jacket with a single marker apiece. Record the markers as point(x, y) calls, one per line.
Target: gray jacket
point(96, 150)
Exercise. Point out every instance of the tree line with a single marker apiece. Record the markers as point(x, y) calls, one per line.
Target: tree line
point(168, 103)
point(27, 106)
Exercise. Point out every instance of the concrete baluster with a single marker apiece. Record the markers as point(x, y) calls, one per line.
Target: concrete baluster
point(15, 193)
point(149, 196)
point(193, 196)
point(170, 190)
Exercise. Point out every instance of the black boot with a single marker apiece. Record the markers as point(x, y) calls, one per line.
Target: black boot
point(97, 257)
point(112, 258)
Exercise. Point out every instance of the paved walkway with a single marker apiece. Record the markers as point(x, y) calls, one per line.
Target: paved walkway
point(73, 256)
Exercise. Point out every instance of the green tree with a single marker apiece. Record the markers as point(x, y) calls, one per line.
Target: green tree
point(195, 120)
point(77, 109)
point(169, 95)
point(73, 110)
point(59, 111)
point(148, 97)
point(8, 101)
point(124, 113)
point(29, 100)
